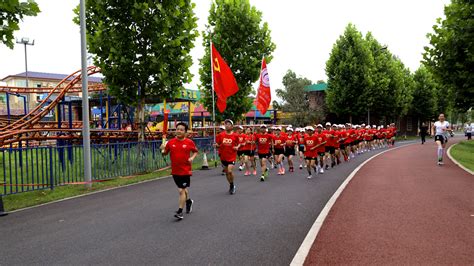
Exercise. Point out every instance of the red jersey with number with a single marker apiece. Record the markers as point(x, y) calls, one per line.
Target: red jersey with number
point(279, 141)
point(249, 142)
point(264, 143)
point(330, 138)
point(180, 151)
point(291, 141)
point(301, 138)
point(321, 138)
point(241, 141)
point(227, 142)
point(310, 142)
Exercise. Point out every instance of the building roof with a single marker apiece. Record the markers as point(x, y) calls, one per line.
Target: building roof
point(316, 87)
point(43, 75)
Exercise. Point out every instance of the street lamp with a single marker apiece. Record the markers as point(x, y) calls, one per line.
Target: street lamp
point(26, 41)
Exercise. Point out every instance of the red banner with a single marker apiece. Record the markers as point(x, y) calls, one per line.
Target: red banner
point(264, 96)
point(225, 84)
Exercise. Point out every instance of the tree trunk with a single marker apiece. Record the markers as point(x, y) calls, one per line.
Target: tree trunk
point(141, 120)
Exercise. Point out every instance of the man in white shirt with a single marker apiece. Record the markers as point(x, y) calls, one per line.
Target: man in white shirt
point(469, 128)
point(441, 129)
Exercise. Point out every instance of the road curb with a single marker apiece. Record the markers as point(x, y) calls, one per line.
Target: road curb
point(305, 247)
point(456, 162)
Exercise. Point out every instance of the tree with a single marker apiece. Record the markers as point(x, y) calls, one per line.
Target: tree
point(295, 102)
point(237, 31)
point(424, 105)
point(450, 56)
point(349, 74)
point(142, 47)
point(11, 13)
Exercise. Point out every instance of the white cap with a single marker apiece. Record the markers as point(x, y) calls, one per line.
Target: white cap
point(289, 129)
point(290, 126)
point(319, 125)
point(229, 121)
point(367, 127)
point(328, 123)
point(222, 127)
point(374, 126)
point(278, 128)
point(263, 125)
point(240, 127)
point(309, 128)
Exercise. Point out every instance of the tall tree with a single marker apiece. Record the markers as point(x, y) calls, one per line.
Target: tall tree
point(349, 74)
point(11, 13)
point(142, 47)
point(295, 102)
point(424, 105)
point(450, 56)
point(240, 36)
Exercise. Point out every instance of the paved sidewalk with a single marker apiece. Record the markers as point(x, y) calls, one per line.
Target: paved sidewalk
point(401, 208)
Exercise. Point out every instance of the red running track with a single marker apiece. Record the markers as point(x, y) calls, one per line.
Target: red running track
point(401, 208)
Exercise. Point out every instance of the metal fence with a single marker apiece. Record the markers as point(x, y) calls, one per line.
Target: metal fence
point(34, 168)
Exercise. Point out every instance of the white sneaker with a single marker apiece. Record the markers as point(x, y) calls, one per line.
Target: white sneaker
point(310, 176)
point(241, 168)
point(321, 171)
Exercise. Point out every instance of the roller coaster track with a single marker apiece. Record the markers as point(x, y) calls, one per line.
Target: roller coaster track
point(31, 128)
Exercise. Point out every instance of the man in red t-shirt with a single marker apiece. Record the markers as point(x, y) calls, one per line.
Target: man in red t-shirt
point(310, 152)
point(228, 144)
point(300, 135)
point(290, 144)
point(321, 147)
point(182, 153)
point(249, 147)
point(240, 153)
point(279, 143)
point(264, 145)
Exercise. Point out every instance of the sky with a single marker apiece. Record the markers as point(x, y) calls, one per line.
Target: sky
point(304, 32)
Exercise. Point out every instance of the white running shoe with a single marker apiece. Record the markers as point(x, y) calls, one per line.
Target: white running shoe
point(310, 176)
point(321, 171)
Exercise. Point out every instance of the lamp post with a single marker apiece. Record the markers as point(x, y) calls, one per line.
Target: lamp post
point(26, 41)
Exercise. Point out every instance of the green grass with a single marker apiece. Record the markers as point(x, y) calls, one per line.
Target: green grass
point(23, 200)
point(463, 152)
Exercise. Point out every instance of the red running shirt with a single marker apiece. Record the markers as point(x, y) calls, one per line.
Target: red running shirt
point(291, 141)
point(241, 141)
point(310, 142)
point(279, 141)
point(227, 142)
point(321, 138)
point(179, 153)
point(249, 142)
point(331, 139)
point(264, 142)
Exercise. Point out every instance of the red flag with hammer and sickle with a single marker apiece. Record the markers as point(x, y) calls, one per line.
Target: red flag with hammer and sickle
point(225, 84)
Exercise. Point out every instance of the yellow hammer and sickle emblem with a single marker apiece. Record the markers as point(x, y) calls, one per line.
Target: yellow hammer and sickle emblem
point(217, 67)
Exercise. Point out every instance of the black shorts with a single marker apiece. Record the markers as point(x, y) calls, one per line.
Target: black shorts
point(330, 149)
point(342, 146)
point(182, 181)
point(240, 153)
point(310, 158)
point(279, 151)
point(441, 138)
point(321, 154)
point(226, 163)
point(249, 153)
point(264, 155)
point(289, 152)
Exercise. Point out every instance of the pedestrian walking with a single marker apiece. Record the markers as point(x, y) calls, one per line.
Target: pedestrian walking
point(423, 132)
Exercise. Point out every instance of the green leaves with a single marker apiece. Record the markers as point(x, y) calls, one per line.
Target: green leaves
point(242, 39)
point(11, 13)
point(450, 56)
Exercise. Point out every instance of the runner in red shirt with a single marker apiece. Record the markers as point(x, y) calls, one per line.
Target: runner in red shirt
point(301, 135)
point(249, 151)
point(264, 145)
point(321, 147)
point(331, 145)
point(310, 152)
point(182, 153)
point(337, 151)
point(228, 144)
point(240, 153)
point(291, 142)
point(279, 143)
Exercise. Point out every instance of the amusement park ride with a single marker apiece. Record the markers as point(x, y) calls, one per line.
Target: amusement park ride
point(32, 130)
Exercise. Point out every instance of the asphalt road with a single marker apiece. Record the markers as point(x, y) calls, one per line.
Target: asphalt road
point(263, 223)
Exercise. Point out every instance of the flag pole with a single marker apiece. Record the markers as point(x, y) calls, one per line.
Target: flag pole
point(213, 100)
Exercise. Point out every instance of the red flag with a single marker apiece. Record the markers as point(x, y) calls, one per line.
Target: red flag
point(225, 84)
point(264, 96)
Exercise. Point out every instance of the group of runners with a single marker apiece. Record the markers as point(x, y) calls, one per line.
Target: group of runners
point(316, 148)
